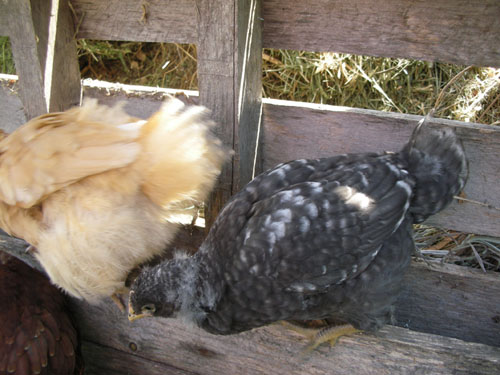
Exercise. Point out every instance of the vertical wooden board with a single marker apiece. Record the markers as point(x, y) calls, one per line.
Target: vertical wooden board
point(62, 81)
point(216, 71)
point(229, 58)
point(4, 19)
point(45, 55)
point(28, 53)
point(248, 83)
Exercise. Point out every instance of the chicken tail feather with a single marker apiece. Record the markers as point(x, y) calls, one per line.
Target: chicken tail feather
point(437, 161)
point(182, 158)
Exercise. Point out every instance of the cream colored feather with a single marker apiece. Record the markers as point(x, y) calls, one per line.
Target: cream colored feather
point(93, 189)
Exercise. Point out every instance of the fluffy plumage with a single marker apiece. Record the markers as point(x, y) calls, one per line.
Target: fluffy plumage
point(94, 189)
point(36, 332)
point(310, 239)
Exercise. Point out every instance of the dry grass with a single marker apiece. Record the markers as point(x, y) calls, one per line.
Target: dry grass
point(396, 85)
point(482, 252)
point(148, 64)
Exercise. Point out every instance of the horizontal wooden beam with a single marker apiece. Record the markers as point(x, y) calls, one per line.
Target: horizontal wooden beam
point(295, 130)
point(460, 32)
point(140, 21)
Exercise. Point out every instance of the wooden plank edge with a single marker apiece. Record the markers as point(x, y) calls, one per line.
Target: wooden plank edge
point(452, 301)
point(272, 348)
point(99, 359)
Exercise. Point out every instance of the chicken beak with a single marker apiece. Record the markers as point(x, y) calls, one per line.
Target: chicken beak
point(131, 313)
point(133, 316)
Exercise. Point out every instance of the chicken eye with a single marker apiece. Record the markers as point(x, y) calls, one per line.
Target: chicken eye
point(150, 308)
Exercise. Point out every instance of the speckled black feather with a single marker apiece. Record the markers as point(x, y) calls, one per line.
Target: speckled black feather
point(311, 239)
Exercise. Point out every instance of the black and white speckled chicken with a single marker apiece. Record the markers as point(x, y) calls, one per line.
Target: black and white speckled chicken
point(310, 239)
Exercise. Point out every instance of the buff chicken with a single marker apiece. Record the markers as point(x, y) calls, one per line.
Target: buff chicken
point(95, 191)
point(310, 239)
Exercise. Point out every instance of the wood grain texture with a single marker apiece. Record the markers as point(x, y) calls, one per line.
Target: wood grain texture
point(26, 39)
point(45, 55)
point(141, 21)
point(460, 32)
point(11, 108)
point(216, 74)
point(299, 130)
point(272, 349)
point(451, 301)
point(248, 87)
point(4, 19)
point(62, 80)
point(229, 75)
point(104, 360)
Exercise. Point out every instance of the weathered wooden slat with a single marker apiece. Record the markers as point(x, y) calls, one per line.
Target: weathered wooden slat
point(446, 300)
point(27, 38)
point(4, 20)
point(142, 21)
point(299, 130)
point(62, 73)
point(392, 350)
point(11, 108)
point(217, 55)
point(101, 360)
point(44, 49)
point(229, 58)
point(248, 86)
point(461, 32)
point(452, 301)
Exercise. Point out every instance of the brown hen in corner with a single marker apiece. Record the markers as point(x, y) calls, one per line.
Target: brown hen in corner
point(36, 334)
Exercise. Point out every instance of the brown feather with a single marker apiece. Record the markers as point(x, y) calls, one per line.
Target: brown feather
point(33, 312)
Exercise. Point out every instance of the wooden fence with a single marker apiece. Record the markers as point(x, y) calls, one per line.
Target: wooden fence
point(452, 313)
